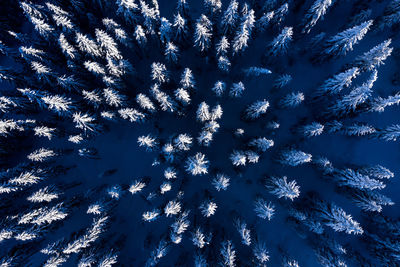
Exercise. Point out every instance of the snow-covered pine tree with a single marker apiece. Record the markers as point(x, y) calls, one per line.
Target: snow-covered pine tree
point(87, 45)
point(264, 209)
point(379, 104)
point(357, 96)
point(292, 100)
point(293, 157)
point(312, 129)
point(171, 52)
point(282, 80)
point(256, 110)
point(203, 112)
point(199, 239)
point(213, 7)
point(140, 36)
point(45, 194)
point(280, 44)
point(243, 34)
point(208, 208)
point(376, 56)
point(264, 21)
point(187, 79)
point(230, 18)
point(280, 187)
point(370, 200)
point(390, 133)
point(180, 28)
point(151, 16)
point(228, 254)
point(203, 33)
point(344, 41)
point(224, 64)
point(377, 171)
point(172, 208)
point(338, 82)
point(256, 71)
point(148, 141)
point(391, 15)
point(129, 10)
point(219, 88)
point(261, 253)
point(221, 182)
point(85, 122)
point(358, 129)
point(222, 46)
point(136, 186)
point(351, 178)
point(316, 12)
point(238, 158)
point(165, 32)
point(197, 164)
point(131, 114)
point(165, 102)
point(182, 96)
point(336, 218)
point(262, 144)
point(108, 45)
point(41, 154)
point(280, 13)
point(183, 142)
point(145, 103)
point(237, 90)
point(159, 73)
point(244, 232)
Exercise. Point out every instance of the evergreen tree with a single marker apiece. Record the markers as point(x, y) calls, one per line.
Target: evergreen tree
point(237, 90)
point(379, 104)
point(262, 143)
point(316, 12)
point(292, 100)
point(376, 56)
point(257, 109)
point(358, 129)
point(197, 164)
point(208, 208)
point(228, 254)
point(219, 88)
point(351, 178)
point(171, 52)
point(390, 133)
point(344, 41)
point(338, 82)
point(224, 64)
point(355, 98)
point(159, 73)
point(222, 46)
point(391, 15)
point(165, 33)
point(282, 188)
point(336, 218)
point(313, 129)
point(203, 33)
point(261, 253)
point(280, 44)
point(230, 18)
point(238, 158)
point(180, 28)
point(294, 157)
point(244, 232)
point(221, 182)
point(264, 209)
point(129, 10)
